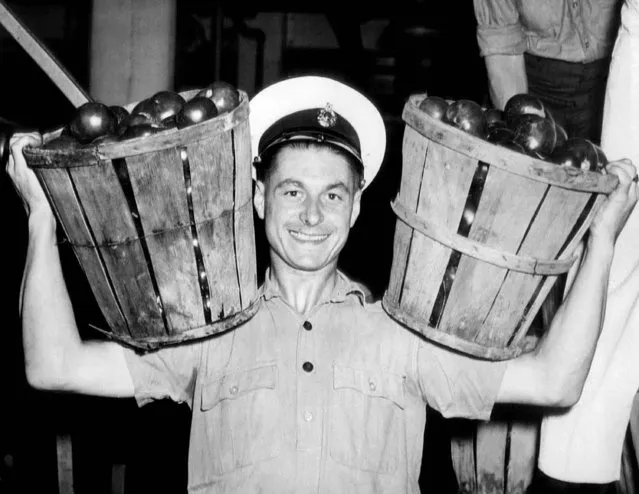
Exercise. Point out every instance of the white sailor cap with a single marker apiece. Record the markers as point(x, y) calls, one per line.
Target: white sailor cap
point(318, 109)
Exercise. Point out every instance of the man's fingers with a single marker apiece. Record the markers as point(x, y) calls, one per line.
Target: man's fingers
point(624, 165)
point(17, 143)
point(625, 171)
point(22, 139)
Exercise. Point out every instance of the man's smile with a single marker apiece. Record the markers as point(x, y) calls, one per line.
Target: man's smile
point(308, 237)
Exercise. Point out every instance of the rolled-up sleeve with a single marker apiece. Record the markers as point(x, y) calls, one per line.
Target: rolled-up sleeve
point(499, 31)
point(457, 385)
point(166, 373)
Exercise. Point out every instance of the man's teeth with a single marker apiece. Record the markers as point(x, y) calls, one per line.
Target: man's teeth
point(308, 236)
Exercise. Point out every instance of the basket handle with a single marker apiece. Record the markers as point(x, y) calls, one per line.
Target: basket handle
point(480, 251)
point(43, 57)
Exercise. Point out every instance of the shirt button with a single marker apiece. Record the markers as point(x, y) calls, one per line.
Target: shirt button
point(575, 4)
point(372, 385)
point(233, 390)
point(307, 325)
point(587, 43)
point(308, 416)
point(307, 366)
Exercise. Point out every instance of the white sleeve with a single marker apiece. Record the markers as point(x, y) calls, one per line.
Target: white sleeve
point(585, 443)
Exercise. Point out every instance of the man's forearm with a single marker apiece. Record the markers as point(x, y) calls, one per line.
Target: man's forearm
point(506, 77)
point(48, 322)
point(569, 345)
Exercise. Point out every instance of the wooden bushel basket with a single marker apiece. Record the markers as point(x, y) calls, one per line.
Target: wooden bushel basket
point(478, 292)
point(162, 227)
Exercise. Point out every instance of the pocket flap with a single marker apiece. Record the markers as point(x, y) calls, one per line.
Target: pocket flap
point(370, 382)
point(235, 385)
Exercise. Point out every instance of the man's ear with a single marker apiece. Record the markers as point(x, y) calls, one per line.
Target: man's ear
point(258, 199)
point(357, 204)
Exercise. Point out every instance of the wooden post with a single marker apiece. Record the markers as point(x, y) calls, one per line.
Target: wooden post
point(629, 481)
point(132, 49)
point(496, 457)
point(64, 454)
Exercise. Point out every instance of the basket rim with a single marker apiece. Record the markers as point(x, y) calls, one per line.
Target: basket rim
point(152, 343)
point(454, 342)
point(501, 157)
point(92, 154)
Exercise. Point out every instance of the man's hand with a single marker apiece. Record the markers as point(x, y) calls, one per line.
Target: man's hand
point(615, 210)
point(24, 179)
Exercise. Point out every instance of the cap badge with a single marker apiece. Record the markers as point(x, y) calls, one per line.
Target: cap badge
point(327, 117)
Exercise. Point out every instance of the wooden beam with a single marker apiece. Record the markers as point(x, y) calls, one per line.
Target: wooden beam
point(64, 454)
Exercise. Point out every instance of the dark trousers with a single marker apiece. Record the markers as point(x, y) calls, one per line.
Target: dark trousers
point(574, 92)
point(543, 484)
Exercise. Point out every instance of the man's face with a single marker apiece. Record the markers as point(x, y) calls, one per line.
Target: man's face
point(308, 203)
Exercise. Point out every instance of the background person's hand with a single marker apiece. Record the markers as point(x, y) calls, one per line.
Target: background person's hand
point(24, 179)
point(616, 208)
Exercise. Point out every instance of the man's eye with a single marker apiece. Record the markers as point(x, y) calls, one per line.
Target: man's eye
point(334, 197)
point(291, 193)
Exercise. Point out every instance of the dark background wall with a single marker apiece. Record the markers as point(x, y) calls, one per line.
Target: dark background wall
point(418, 47)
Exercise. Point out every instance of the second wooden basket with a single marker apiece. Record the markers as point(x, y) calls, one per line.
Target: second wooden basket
point(478, 292)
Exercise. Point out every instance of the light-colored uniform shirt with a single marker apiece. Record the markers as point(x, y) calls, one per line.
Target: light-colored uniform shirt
point(568, 30)
point(334, 402)
point(585, 443)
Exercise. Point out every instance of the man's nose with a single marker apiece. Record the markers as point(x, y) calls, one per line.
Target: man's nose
point(311, 214)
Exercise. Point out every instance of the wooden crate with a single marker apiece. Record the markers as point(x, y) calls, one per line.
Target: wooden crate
point(496, 457)
point(530, 217)
point(162, 227)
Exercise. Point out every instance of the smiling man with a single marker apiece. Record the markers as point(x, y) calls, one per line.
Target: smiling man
point(320, 391)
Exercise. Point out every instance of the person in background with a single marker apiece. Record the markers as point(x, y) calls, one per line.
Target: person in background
point(581, 449)
point(557, 50)
point(320, 391)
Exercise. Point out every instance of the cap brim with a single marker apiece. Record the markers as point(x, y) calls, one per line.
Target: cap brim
point(301, 93)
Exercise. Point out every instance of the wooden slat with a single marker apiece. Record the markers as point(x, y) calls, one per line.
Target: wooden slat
point(158, 182)
point(219, 260)
point(447, 178)
point(118, 477)
point(497, 457)
point(559, 212)
point(414, 150)
point(462, 450)
point(64, 453)
point(212, 176)
point(245, 248)
point(212, 173)
point(112, 224)
point(522, 458)
point(629, 476)
point(491, 456)
point(506, 206)
point(57, 184)
point(634, 428)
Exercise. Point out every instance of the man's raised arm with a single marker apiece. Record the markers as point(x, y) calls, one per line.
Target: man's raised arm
point(56, 358)
point(554, 374)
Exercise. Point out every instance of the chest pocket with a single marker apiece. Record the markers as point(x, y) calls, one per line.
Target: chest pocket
point(241, 411)
point(367, 420)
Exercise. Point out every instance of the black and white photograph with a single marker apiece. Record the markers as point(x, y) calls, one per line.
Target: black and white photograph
point(333, 248)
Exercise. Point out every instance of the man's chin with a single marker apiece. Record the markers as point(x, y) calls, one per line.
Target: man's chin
point(309, 265)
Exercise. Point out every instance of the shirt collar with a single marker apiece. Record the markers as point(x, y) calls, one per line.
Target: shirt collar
point(342, 289)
